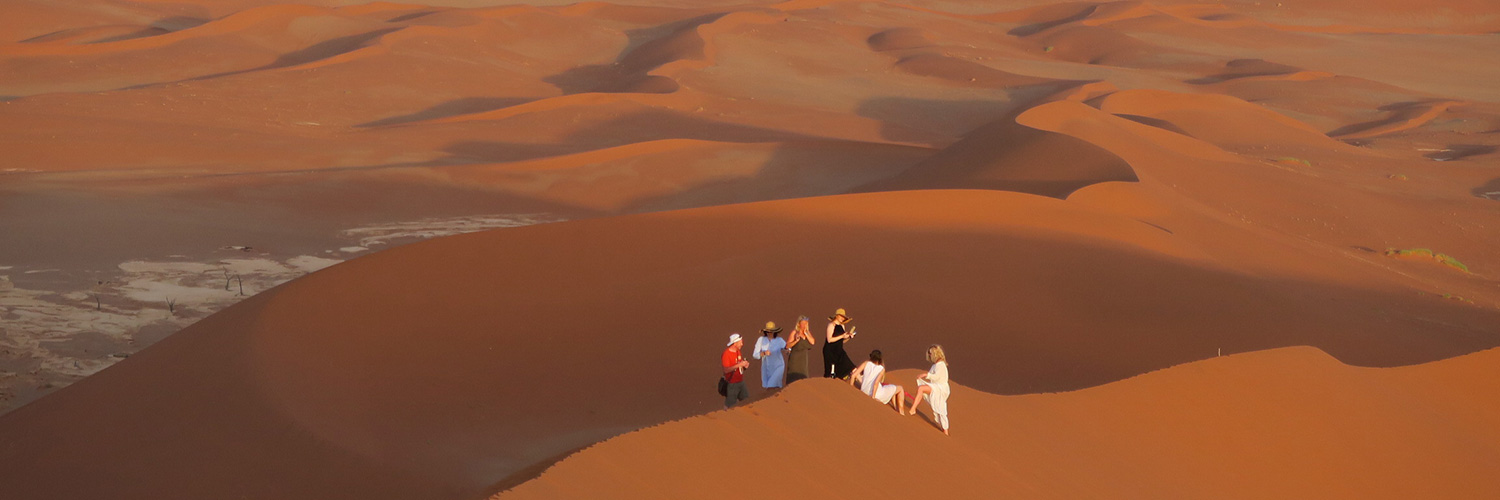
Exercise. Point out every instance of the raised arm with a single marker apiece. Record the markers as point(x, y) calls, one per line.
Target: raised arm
point(859, 371)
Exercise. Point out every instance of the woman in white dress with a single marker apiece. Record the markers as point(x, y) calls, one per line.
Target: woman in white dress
point(871, 378)
point(934, 385)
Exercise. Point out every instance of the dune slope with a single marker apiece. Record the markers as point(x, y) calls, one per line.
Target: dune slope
point(446, 366)
point(1284, 423)
point(1067, 194)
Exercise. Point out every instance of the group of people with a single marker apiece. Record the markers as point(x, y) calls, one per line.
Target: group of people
point(784, 361)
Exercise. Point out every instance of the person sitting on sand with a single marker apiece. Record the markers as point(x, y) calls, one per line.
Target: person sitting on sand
point(734, 371)
point(871, 378)
point(800, 344)
point(771, 351)
point(836, 362)
point(934, 385)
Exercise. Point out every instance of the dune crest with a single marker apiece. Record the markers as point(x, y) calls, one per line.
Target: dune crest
point(1325, 429)
point(1071, 196)
point(1402, 117)
point(402, 364)
point(1008, 155)
point(1222, 120)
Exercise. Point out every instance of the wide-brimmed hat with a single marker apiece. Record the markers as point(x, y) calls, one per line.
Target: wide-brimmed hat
point(771, 328)
point(840, 312)
point(733, 337)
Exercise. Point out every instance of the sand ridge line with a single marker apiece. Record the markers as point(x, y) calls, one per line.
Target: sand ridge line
point(1313, 411)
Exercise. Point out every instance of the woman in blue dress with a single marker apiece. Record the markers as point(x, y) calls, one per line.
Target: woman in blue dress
point(771, 349)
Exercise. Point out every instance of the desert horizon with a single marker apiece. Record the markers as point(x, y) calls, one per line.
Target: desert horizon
point(464, 249)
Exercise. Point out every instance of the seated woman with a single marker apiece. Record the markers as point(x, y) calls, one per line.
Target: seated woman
point(871, 376)
point(934, 385)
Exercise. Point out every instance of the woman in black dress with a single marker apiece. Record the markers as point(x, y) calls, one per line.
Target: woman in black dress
point(836, 362)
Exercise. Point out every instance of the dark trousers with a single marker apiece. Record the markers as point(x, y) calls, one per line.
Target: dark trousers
point(736, 393)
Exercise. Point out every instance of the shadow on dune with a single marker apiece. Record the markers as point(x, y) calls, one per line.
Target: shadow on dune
point(642, 126)
point(1489, 191)
point(800, 169)
point(1461, 151)
point(1245, 68)
point(327, 49)
point(412, 16)
point(493, 151)
point(901, 38)
point(1031, 29)
point(1397, 113)
point(932, 121)
point(160, 27)
point(1004, 155)
point(646, 50)
point(316, 52)
point(654, 124)
point(529, 472)
point(1154, 122)
point(940, 122)
point(467, 105)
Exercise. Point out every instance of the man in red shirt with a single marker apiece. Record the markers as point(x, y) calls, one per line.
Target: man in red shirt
point(734, 371)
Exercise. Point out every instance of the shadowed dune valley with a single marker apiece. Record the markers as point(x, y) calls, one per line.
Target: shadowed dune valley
point(497, 249)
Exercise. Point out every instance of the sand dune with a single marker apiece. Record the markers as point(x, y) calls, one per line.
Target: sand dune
point(412, 364)
point(1066, 194)
point(1218, 119)
point(1405, 116)
point(1010, 156)
point(1269, 424)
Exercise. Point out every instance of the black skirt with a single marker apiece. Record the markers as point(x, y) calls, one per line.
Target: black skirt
point(836, 362)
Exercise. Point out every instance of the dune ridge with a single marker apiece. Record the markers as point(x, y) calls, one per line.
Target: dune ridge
point(1402, 117)
point(402, 363)
point(1092, 197)
point(1174, 432)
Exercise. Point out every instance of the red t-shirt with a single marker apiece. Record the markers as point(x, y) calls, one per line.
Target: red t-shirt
point(731, 358)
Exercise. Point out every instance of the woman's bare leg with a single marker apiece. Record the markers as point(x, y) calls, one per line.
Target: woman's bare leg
point(916, 398)
point(900, 401)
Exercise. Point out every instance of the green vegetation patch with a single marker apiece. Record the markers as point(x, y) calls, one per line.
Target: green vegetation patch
point(1425, 253)
point(1293, 159)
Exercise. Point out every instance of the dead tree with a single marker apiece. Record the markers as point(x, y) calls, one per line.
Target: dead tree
point(97, 289)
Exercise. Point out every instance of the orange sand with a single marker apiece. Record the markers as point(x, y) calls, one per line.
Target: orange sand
point(1286, 423)
point(1064, 194)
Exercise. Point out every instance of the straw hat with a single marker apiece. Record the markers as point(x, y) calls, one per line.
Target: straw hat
point(771, 328)
point(840, 313)
point(733, 337)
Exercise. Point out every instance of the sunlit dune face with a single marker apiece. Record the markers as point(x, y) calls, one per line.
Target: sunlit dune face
point(339, 250)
